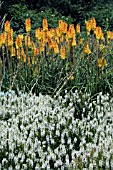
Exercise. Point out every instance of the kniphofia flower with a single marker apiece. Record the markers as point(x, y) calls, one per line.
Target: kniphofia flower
point(102, 62)
point(38, 33)
point(87, 49)
point(18, 42)
point(7, 26)
point(63, 52)
point(88, 26)
point(35, 51)
point(45, 24)
point(62, 26)
point(71, 31)
point(56, 49)
point(78, 28)
point(98, 33)
point(73, 42)
point(80, 40)
point(28, 24)
point(27, 41)
point(13, 51)
point(2, 38)
point(10, 38)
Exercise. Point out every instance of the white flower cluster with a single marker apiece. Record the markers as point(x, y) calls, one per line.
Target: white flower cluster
point(41, 133)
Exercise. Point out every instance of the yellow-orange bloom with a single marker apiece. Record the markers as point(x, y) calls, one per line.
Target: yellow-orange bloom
point(102, 47)
point(35, 51)
point(18, 42)
point(110, 35)
point(63, 52)
point(42, 45)
point(28, 24)
point(2, 38)
point(56, 49)
point(58, 32)
point(7, 26)
point(87, 50)
point(18, 53)
point(51, 33)
point(10, 38)
point(27, 41)
point(71, 31)
point(50, 43)
point(13, 51)
point(78, 28)
point(73, 42)
point(102, 62)
point(98, 33)
point(80, 40)
point(62, 26)
point(71, 77)
point(90, 25)
point(24, 58)
point(38, 33)
point(45, 24)
point(93, 23)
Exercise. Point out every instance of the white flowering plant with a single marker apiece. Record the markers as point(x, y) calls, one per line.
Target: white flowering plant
point(74, 131)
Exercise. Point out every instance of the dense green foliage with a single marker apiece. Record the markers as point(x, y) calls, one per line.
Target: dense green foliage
point(78, 10)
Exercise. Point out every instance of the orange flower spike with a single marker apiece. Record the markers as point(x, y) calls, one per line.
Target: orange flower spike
point(71, 31)
point(56, 49)
point(24, 58)
point(42, 44)
point(109, 34)
point(98, 33)
point(58, 32)
point(87, 50)
point(18, 42)
point(35, 51)
point(10, 40)
point(28, 24)
point(7, 26)
point(44, 36)
point(80, 40)
point(18, 53)
point(2, 38)
point(102, 36)
point(52, 32)
point(60, 24)
point(22, 51)
point(13, 51)
point(88, 26)
point(64, 29)
point(78, 28)
point(104, 63)
point(45, 24)
point(33, 45)
point(50, 43)
point(99, 62)
point(63, 53)
point(27, 41)
point(11, 32)
point(38, 33)
point(21, 36)
point(93, 25)
point(73, 42)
